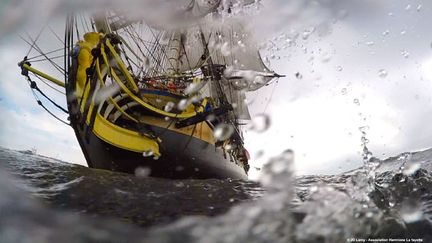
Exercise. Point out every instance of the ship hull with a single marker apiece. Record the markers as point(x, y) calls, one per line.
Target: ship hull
point(182, 157)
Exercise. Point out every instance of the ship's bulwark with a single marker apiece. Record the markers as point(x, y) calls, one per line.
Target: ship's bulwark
point(182, 157)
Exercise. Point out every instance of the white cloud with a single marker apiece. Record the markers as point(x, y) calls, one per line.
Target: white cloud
point(322, 121)
point(25, 130)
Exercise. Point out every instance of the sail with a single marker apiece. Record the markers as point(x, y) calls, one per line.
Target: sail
point(230, 45)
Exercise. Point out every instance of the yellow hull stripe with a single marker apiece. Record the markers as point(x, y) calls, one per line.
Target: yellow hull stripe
point(124, 138)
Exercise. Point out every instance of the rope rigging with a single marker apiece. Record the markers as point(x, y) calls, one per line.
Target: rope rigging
point(33, 86)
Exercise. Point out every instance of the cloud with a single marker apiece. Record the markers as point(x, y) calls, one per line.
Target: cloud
point(316, 116)
point(25, 130)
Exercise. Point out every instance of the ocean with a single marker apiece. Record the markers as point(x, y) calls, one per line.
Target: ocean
point(46, 200)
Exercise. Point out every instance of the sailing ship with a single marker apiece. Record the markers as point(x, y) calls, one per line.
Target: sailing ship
point(142, 95)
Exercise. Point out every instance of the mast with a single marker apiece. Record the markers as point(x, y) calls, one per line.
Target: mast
point(215, 74)
point(174, 52)
point(189, 48)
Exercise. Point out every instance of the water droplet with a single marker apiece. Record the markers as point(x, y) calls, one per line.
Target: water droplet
point(408, 7)
point(386, 32)
point(403, 32)
point(230, 147)
point(211, 117)
point(370, 43)
point(179, 184)
point(391, 204)
point(192, 88)
point(344, 91)
point(223, 132)
point(169, 106)
point(105, 92)
point(382, 73)
point(356, 101)
point(307, 33)
point(142, 172)
point(259, 154)
point(419, 7)
point(325, 57)
point(405, 54)
point(183, 104)
point(313, 189)
point(339, 68)
point(240, 43)
point(259, 123)
point(147, 153)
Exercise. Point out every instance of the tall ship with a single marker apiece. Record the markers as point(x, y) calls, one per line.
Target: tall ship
point(141, 94)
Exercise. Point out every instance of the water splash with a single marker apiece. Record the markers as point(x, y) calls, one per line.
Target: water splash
point(106, 92)
point(411, 168)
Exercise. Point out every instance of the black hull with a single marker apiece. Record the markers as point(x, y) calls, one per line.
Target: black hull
point(182, 157)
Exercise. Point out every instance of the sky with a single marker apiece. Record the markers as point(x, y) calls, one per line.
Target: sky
point(348, 64)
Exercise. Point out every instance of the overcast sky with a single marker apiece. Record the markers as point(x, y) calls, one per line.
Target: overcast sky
point(340, 54)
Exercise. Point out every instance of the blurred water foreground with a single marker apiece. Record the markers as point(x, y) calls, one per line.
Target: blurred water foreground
point(46, 200)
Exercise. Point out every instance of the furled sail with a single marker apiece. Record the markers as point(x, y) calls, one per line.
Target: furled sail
point(230, 45)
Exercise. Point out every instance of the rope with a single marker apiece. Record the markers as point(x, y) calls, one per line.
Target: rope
point(190, 138)
point(34, 86)
point(271, 95)
point(39, 102)
point(49, 85)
